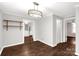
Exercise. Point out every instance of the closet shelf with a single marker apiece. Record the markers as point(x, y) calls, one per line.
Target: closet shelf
point(12, 26)
point(12, 21)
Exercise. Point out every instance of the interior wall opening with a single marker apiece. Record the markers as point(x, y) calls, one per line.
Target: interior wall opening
point(71, 34)
point(28, 31)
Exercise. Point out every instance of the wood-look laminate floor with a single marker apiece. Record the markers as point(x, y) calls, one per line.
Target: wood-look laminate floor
point(37, 48)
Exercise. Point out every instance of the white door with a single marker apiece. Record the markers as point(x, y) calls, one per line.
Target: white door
point(59, 31)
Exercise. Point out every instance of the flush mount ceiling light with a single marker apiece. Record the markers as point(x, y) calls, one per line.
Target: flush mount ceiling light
point(35, 12)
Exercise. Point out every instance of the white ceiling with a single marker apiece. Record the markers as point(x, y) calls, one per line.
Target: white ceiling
point(64, 9)
point(67, 9)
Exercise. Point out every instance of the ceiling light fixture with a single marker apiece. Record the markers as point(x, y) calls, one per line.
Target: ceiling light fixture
point(35, 12)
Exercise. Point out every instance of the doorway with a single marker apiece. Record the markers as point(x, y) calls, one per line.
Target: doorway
point(71, 31)
point(59, 31)
point(28, 31)
point(71, 35)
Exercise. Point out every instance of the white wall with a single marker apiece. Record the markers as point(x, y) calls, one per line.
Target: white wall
point(69, 29)
point(14, 35)
point(64, 30)
point(57, 30)
point(26, 33)
point(1, 33)
point(44, 30)
point(77, 30)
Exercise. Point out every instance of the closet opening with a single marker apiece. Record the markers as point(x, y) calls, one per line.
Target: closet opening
point(71, 34)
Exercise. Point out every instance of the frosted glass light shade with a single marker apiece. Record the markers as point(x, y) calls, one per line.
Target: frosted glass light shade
point(34, 13)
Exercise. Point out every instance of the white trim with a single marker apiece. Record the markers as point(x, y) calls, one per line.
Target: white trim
point(1, 50)
point(76, 53)
point(13, 44)
point(76, 5)
point(54, 45)
point(46, 43)
point(35, 39)
point(10, 45)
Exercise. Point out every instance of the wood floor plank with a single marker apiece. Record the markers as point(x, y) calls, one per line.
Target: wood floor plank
point(36, 48)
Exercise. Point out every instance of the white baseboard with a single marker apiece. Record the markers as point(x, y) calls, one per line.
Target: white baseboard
point(1, 50)
point(13, 44)
point(9, 46)
point(35, 39)
point(54, 45)
point(46, 43)
point(76, 53)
